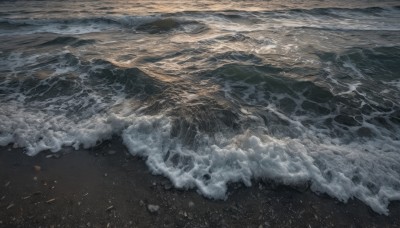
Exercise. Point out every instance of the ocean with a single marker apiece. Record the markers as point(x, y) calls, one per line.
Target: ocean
point(210, 93)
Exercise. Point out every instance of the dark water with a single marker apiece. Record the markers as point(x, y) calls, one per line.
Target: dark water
point(213, 92)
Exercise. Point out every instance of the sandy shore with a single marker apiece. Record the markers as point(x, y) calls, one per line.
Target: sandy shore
point(107, 187)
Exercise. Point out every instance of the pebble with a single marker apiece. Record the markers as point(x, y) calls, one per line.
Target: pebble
point(183, 213)
point(191, 204)
point(110, 208)
point(26, 197)
point(53, 156)
point(50, 200)
point(167, 186)
point(153, 208)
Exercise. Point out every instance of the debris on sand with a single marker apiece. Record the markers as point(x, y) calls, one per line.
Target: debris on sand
point(110, 208)
point(53, 156)
point(153, 208)
point(26, 197)
point(50, 200)
point(191, 204)
point(37, 168)
point(10, 206)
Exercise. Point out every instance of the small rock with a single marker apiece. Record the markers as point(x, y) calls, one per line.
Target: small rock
point(191, 204)
point(141, 203)
point(35, 178)
point(109, 208)
point(167, 186)
point(50, 200)
point(153, 208)
point(183, 213)
point(105, 175)
point(10, 206)
point(88, 224)
point(37, 168)
point(26, 197)
point(53, 156)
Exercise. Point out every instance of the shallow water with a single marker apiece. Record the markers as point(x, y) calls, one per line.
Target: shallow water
point(213, 92)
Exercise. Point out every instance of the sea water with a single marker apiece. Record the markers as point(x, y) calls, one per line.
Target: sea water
point(213, 92)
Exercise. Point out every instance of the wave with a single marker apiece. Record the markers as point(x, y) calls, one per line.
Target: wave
point(68, 40)
point(197, 22)
point(235, 123)
point(150, 24)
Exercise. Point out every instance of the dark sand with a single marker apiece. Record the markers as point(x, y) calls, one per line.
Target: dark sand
point(75, 190)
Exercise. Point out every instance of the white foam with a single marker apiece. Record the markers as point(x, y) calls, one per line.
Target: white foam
point(342, 171)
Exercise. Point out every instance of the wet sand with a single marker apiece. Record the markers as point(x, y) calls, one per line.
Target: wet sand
point(107, 187)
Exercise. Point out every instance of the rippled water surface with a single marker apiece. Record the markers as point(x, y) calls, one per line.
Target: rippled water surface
point(213, 92)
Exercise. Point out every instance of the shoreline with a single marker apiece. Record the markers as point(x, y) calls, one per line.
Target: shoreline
point(105, 186)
